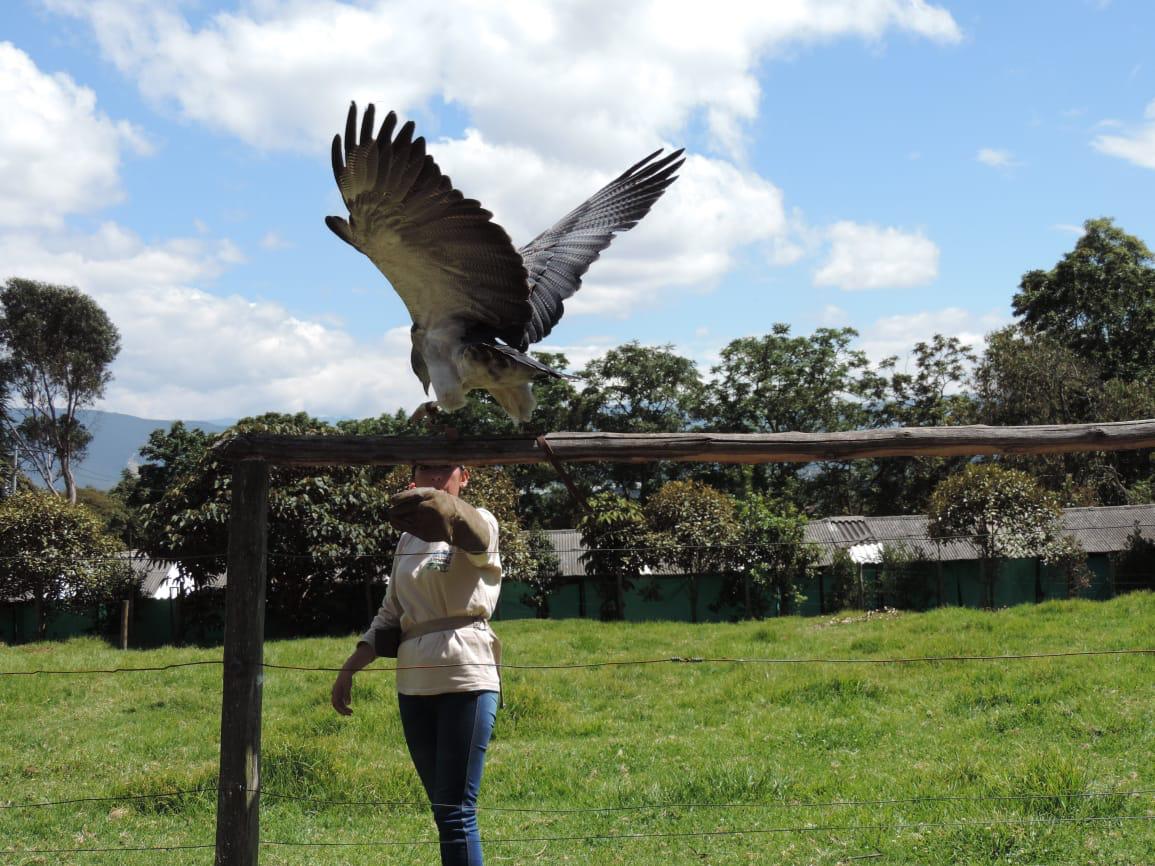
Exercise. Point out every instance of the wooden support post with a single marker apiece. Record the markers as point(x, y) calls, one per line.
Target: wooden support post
point(238, 800)
point(125, 611)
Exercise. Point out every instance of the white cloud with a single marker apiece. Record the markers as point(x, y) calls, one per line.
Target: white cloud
point(589, 81)
point(1138, 146)
point(189, 353)
point(871, 257)
point(578, 354)
point(273, 241)
point(833, 316)
point(897, 335)
point(559, 98)
point(995, 157)
point(688, 241)
point(59, 155)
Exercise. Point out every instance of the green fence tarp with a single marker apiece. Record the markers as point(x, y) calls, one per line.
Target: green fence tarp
point(921, 585)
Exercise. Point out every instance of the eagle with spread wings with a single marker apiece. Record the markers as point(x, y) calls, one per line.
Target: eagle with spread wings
point(477, 302)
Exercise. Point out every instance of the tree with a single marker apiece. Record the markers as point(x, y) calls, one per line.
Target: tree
point(1135, 566)
point(492, 488)
point(58, 346)
point(775, 553)
point(693, 528)
point(113, 512)
point(636, 389)
point(543, 498)
point(1004, 512)
point(778, 383)
point(545, 571)
point(614, 533)
point(1099, 301)
point(933, 394)
point(902, 576)
point(1033, 378)
point(325, 526)
point(56, 553)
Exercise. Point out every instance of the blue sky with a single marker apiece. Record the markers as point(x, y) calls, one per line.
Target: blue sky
point(892, 165)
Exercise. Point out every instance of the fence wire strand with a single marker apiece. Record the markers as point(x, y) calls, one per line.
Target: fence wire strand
point(639, 807)
point(606, 663)
point(624, 837)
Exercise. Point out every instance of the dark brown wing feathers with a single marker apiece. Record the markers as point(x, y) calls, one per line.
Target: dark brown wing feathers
point(442, 252)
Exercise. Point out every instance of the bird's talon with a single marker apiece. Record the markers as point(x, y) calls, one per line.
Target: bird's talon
point(427, 412)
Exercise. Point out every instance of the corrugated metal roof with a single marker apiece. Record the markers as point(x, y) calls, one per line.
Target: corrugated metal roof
point(1103, 530)
point(1099, 530)
point(154, 574)
point(567, 544)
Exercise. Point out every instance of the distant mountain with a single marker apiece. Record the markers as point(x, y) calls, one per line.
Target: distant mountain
point(116, 442)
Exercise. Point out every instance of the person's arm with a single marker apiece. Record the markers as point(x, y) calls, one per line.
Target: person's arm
point(388, 615)
point(342, 694)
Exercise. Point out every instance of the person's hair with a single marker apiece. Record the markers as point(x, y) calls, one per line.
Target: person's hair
point(413, 468)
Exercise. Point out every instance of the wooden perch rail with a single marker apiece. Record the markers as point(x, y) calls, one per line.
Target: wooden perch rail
point(689, 447)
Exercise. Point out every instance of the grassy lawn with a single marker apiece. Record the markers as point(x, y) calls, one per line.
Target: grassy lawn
point(692, 751)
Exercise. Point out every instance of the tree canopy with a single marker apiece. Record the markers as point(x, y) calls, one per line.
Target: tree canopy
point(1004, 512)
point(56, 553)
point(616, 539)
point(1099, 300)
point(58, 346)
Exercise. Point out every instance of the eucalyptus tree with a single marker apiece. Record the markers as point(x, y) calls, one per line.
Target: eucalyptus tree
point(58, 346)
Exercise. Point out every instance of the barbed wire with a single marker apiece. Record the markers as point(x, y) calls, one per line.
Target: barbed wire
point(683, 834)
point(641, 807)
point(126, 850)
point(677, 660)
point(622, 837)
point(657, 807)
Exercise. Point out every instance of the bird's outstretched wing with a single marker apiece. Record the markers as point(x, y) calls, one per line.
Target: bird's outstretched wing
point(556, 259)
point(442, 252)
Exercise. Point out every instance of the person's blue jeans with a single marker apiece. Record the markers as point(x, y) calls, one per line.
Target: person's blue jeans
point(447, 737)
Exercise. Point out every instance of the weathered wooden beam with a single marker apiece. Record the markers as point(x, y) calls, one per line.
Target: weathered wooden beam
point(238, 803)
point(687, 447)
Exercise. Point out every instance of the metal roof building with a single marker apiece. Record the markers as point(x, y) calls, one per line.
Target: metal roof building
point(1103, 529)
point(1099, 530)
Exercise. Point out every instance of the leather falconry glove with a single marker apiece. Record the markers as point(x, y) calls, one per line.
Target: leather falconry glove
point(434, 515)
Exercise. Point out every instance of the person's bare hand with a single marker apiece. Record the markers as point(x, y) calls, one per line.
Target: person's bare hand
point(343, 693)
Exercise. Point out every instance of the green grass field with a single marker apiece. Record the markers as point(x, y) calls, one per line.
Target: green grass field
point(688, 763)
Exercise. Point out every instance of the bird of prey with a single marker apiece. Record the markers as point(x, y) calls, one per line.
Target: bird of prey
point(477, 302)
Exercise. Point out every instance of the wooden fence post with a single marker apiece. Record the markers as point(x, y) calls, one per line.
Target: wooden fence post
point(238, 800)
